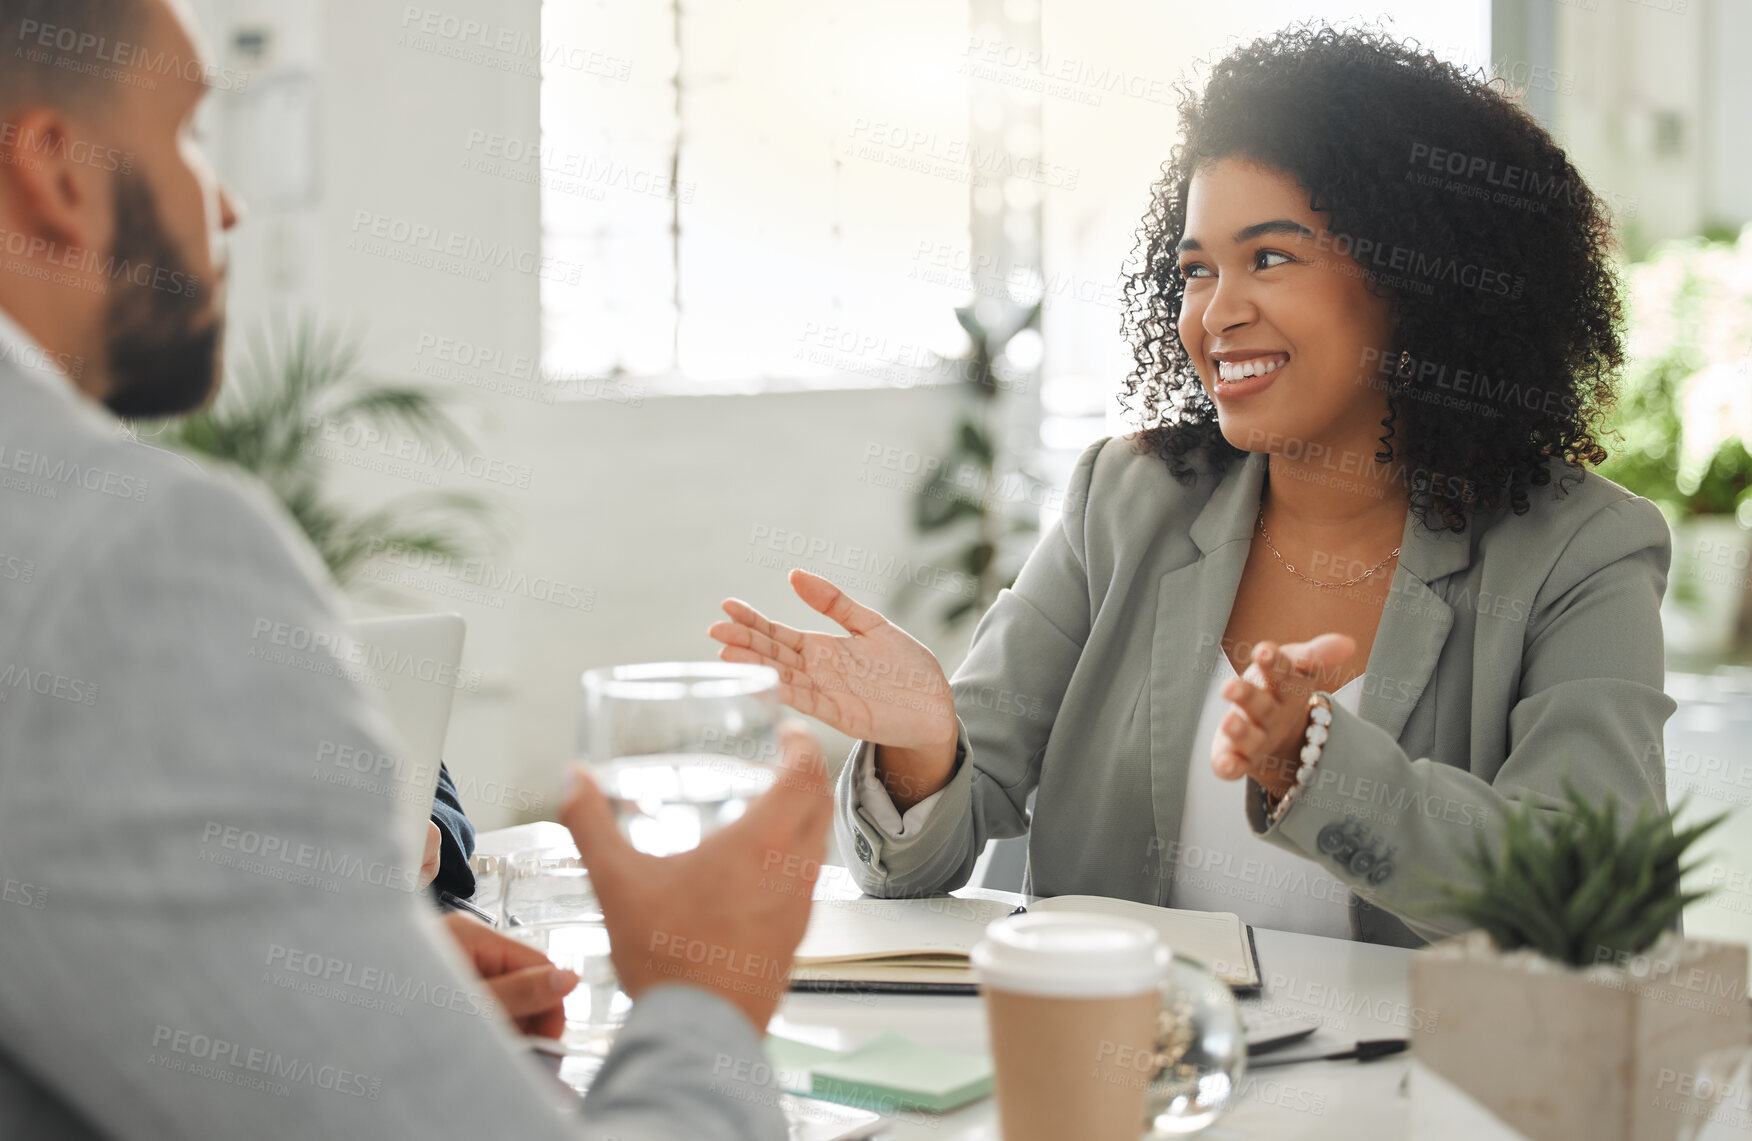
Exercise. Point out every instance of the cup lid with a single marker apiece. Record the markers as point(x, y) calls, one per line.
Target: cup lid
point(1069, 954)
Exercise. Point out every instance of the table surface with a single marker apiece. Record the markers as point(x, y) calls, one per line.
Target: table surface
point(1351, 990)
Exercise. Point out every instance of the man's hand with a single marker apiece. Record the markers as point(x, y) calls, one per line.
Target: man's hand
point(524, 983)
point(728, 915)
point(434, 857)
point(1261, 735)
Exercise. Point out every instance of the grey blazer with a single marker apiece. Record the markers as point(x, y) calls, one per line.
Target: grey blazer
point(209, 928)
point(1523, 650)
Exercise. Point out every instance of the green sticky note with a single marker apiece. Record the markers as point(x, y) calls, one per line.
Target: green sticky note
point(893, 1072)
point(794, 1062)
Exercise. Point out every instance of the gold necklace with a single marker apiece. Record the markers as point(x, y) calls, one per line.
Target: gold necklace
point(1314, 581)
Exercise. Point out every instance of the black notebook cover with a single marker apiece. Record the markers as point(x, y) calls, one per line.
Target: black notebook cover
point(853, 986)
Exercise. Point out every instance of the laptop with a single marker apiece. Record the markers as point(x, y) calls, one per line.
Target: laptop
point(412, 666)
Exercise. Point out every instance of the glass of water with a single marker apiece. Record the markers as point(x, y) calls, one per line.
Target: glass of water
point(489, 892)
point(596, 1008)
point(680, 748)
point(544, 886)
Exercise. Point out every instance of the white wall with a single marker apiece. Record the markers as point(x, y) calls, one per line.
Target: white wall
point(648, 511)
point(1620, 69)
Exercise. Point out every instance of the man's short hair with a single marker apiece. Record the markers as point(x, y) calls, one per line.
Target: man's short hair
point(57, 52)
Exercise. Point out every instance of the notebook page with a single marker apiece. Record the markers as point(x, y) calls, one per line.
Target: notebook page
point(844, 930)
point(1218, 939)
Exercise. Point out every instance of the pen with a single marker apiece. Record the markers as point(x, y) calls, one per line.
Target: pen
point(1366, 1051)
point(457, 903)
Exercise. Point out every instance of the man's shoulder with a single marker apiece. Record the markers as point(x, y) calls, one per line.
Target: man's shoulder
point(83, 490)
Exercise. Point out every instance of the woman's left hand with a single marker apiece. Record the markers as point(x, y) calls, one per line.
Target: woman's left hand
point(1261, 734)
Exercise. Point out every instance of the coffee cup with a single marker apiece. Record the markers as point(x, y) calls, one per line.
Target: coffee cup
point(1090, 1020)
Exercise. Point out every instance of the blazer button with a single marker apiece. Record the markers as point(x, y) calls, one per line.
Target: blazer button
point(863, 847)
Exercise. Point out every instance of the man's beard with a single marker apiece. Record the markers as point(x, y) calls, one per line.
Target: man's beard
point(164, 355)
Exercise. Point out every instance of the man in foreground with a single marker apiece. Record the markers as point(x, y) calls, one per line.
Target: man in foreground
point(202, 937)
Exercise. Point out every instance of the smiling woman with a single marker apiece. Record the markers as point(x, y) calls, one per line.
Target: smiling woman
point(1295, 646)
point(1384, 183)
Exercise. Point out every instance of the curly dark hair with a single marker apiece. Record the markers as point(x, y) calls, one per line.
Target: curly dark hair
point(1462, 212)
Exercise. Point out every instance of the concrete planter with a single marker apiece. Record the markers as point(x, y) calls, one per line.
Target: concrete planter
point(1517, 1046)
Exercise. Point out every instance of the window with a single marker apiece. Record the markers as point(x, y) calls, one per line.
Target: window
point(764, 194)
point(799, 192)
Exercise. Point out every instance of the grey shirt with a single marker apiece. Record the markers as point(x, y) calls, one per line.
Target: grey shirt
point(1510, 656)
point(209, 928)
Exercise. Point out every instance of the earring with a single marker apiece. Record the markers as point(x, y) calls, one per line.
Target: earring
point(1404, 370)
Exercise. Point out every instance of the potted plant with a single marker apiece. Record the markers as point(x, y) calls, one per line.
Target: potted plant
point(1683, 423)
point(970, 491)
point(269, 420)
point(1562, 1015)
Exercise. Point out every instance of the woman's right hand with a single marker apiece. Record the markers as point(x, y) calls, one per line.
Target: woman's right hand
point(875, 682)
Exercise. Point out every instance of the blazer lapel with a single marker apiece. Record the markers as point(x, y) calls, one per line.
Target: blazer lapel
point(1414, 625)
point(1192, 610)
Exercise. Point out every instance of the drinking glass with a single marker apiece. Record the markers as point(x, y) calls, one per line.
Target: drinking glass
point(489, 892)
point(680, 748)
point(1201, 1051)
point(595, 1008)
point(548, 886)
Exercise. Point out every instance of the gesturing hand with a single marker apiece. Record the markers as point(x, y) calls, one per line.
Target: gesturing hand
point(728, 915)
point(875, 682)
point(1261, 734)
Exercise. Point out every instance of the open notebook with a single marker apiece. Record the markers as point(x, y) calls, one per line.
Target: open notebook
point(924, 944)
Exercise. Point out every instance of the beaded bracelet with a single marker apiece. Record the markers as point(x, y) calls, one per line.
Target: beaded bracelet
point(1313, 741)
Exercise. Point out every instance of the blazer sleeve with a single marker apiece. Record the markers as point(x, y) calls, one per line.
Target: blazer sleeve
point(1007, 693)
point(456, 839)
point(1590, 708)
point(234, 946)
